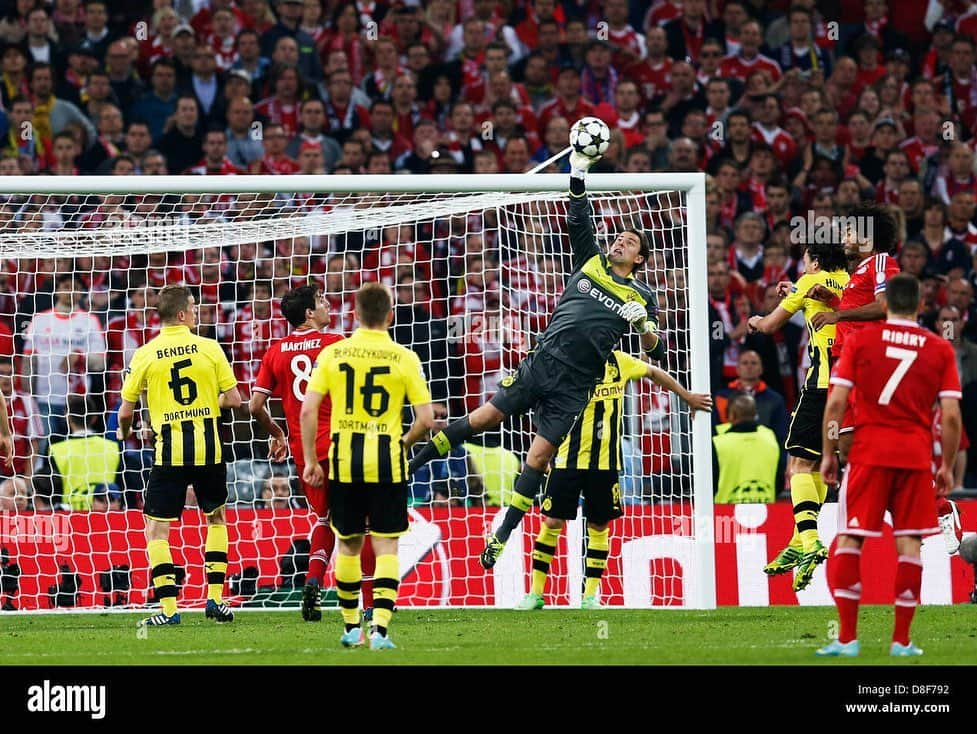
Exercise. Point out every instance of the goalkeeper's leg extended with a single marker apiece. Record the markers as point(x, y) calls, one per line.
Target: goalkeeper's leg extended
point(481, 419)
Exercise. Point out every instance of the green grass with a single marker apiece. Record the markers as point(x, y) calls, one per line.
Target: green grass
point(778, 635)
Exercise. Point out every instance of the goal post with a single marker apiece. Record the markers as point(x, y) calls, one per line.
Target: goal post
point(485, 255)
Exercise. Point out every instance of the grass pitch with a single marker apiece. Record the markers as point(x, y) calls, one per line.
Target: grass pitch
point(737, 636)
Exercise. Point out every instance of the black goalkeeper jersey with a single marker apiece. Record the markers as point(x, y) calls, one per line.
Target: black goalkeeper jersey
point(586, 325)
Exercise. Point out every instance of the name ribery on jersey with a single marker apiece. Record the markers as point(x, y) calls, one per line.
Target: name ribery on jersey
point(904, 338)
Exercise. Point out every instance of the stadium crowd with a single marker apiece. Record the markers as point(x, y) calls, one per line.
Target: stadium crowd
point(796, 110)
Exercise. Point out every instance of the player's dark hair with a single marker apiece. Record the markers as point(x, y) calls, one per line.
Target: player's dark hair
point(878, 220)
point(373, 303)
point(171, 300)
point(830, 256)
point(645, 243)
point(297, 301)
point(902, 294)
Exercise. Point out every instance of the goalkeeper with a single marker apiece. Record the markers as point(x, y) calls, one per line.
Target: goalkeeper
point(601, 302)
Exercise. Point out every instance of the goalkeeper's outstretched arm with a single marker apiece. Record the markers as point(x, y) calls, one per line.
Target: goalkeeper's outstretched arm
point(580, 222)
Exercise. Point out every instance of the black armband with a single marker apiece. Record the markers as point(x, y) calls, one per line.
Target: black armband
point(658, 352)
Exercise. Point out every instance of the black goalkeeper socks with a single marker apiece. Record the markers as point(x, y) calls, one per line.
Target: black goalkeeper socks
point(442, 443)
point(526, 488)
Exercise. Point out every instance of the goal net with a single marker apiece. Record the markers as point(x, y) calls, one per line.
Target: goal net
point(477, 264)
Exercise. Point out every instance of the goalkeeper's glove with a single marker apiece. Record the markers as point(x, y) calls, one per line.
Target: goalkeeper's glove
point(635, 314)
point(580, 162)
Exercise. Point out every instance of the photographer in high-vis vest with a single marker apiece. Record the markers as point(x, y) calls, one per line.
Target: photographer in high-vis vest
point(747, 461)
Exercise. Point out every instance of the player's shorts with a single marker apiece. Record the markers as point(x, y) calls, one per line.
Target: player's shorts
point(868, 491)
point(382, 507)
point(601, 490)
point(318, 497)
point(804, 437)
point(166, 492)
point(556, 393)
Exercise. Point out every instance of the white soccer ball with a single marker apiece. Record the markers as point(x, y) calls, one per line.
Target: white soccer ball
point(590, 136)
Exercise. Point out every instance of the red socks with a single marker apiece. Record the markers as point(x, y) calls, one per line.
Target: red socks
point(844, 578)
point(909, 579)
point(321, 545)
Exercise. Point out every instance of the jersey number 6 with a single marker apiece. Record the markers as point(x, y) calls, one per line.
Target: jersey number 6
point(178, 383)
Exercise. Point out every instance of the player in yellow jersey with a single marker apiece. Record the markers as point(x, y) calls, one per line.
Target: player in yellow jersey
point(368, 377)
point(825, 265)
point(588, 463)
point(188, 381)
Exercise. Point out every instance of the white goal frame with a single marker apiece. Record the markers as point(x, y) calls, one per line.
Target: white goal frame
point(693, 185)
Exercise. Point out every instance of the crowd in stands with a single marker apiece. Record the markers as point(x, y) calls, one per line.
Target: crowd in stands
point(798, 109)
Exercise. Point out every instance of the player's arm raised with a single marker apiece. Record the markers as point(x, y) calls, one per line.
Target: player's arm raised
point(579, 212)
point(695, 400)
point(772, 322)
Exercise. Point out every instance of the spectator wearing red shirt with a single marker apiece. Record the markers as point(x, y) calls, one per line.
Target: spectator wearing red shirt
point(275, 161)
point(628, 44)
point(282, 107)
point(223, 37)
point(959, 176)
point(749, 59)
point(215, 161)
point(896, 170)
point(568, 102)
point(345, 34)
point(653, 74)
point(767, 130)
point(926, 141)
point(866, 53)
point(407, 112)
point(538, 11)
point(626, 101)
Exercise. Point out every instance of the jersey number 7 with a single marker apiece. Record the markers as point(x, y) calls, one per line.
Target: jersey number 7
point(906, 358)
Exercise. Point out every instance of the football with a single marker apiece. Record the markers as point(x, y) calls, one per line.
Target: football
point(590, 136)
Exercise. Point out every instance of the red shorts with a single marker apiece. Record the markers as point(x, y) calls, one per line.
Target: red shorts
point(318, 497)
point(868, 491)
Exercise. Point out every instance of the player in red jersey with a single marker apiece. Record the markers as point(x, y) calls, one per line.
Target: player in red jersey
point(900, 370)
point(284, 373)
point(868, 241)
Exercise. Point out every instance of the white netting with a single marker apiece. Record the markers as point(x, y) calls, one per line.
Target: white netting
point(476, 277)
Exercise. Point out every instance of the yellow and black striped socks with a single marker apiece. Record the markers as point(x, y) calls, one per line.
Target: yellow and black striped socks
point(596, 560)
point(349, 574)
point(806, 500)
point(386, 579)
point(215, 561)
point(543, 551)
point(163, 574)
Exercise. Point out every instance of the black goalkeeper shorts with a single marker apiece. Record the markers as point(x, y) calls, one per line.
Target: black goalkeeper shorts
point(556, 393)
